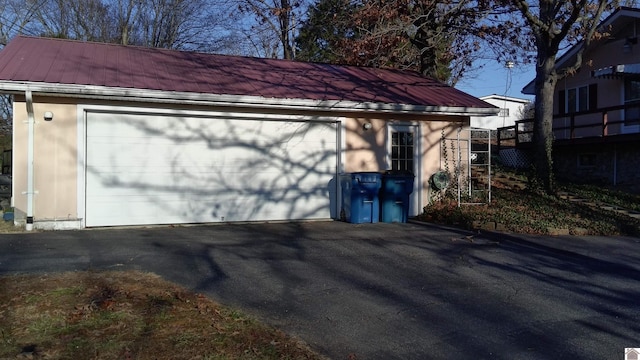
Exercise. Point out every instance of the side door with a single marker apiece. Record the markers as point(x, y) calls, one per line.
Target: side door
point(404, 155)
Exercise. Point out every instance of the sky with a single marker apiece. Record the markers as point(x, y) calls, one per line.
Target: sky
point(494, 78)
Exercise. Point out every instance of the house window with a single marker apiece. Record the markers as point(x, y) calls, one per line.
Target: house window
point(632, 97)
point(579, 99)
point(503, 112)
point(402, 151)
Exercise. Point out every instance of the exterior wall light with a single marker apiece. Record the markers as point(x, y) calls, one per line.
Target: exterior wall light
point(366, 126)
point(48, 116)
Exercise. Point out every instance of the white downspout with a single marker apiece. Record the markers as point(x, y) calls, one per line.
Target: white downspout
point(30, 146)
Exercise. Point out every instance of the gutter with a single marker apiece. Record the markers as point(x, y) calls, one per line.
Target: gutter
point(187, 98)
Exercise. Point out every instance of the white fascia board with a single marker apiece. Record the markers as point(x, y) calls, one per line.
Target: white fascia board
point(172, 97)
point(503, 98)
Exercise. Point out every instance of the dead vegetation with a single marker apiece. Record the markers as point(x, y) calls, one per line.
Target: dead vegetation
point(7, 227)
point(127, 315)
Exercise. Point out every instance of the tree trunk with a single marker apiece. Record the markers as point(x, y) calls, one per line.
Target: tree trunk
point(546, 79)
point(285, 29)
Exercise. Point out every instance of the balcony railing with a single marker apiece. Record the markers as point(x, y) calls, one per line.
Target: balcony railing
point(6, 162)
point(599, 123)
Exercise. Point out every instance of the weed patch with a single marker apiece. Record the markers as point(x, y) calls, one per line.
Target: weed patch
point(128, 315)
point(525, 212)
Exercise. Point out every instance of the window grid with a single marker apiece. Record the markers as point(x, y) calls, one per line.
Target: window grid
point(402, 147)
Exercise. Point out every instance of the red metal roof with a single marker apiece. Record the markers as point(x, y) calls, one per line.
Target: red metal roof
point(56, 61)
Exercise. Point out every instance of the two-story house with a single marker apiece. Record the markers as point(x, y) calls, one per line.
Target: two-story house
point(597, 110)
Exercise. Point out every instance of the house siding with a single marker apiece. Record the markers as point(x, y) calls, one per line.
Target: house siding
point(366, 150)
point(609, 163)
point(610, 90)
point(56, 154)
point(515, 107)
point(55, 159)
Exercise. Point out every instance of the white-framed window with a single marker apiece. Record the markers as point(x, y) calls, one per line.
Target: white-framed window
point(632, 97)
point(504, 112)
point(402, 151)
point(578, 99)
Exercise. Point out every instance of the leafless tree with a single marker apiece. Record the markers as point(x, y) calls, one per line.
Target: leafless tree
point(171, 24)
point(552, 24)
point(272, 25)
point(75, 19)
point(124, 13)
point(16, 17)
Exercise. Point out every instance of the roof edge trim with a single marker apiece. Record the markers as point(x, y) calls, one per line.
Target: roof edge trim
point(158, 96)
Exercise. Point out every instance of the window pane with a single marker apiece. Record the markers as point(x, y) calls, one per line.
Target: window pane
point(402, 151)
point(394, 138)
point(632, 96)
point(632, 115)
point(571, 100)
point(631, 90)
point(583, 101)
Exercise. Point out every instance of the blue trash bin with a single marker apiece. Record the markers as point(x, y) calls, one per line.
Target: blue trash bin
point(360, 202)
point(394, 197)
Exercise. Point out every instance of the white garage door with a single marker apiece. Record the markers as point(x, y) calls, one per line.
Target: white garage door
point(151, 169)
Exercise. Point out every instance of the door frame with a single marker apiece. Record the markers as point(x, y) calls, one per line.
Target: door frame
point(415, 199)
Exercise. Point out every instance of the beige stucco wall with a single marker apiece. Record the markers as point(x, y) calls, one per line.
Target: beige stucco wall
point(366, 150)
point(55, 159)
point(56, 155)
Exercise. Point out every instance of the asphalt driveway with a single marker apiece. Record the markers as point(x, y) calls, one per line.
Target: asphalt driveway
point(383, 291)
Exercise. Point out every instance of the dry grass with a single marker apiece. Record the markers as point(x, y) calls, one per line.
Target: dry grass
point(127, 315)
point(8, 227)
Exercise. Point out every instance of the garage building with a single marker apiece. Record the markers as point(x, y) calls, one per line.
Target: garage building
point(111, 135)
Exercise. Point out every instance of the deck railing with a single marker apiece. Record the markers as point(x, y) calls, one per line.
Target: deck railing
point(6, 162)
point(584, 124)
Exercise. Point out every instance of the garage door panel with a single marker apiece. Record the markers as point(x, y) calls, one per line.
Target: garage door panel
point(145, 169)
point(195, 208)
point(131, 182)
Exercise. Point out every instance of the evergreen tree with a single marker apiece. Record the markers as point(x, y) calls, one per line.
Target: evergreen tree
point(328, 24)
